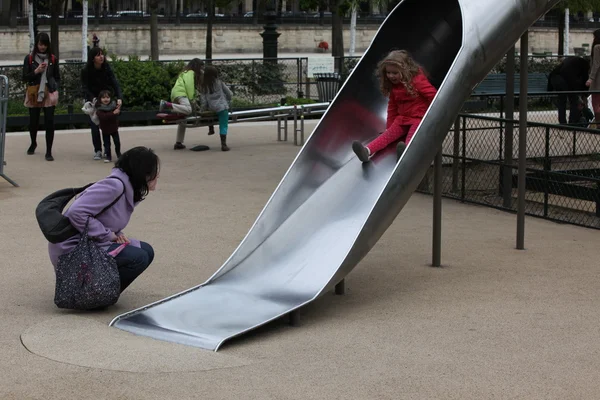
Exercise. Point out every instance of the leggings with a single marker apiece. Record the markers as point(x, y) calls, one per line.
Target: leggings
point(34, 124)
point(392, 134)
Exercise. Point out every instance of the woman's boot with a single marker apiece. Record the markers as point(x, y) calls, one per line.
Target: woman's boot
point(224, 143)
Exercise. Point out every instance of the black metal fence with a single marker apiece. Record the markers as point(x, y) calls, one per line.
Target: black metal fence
point(563, 168)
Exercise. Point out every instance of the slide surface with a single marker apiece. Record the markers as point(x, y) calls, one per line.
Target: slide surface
point(329, 209)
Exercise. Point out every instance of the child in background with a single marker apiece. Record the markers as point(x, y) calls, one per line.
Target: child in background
point(216, 96)
point(182, 94)
point(107, 112)
point(410, 95)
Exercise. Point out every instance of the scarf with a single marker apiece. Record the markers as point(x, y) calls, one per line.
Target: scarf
point(109, 107)
point(40, 58)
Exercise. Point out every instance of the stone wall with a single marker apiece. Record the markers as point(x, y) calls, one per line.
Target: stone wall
point(188, 40)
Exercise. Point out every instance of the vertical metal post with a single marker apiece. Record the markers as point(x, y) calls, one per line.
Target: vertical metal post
point(509, 132)
point(547, 168)
point(3, 115)
point(437, 210)
point(455, 155)
point(463, 183)
point(299, 85)
point(522, 143)
point(340, 288)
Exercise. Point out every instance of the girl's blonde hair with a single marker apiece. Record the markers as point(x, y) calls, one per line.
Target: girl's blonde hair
point(408, 70)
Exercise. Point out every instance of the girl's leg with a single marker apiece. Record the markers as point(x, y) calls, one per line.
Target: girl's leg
point(49, 125)
point(223, 121)
point(390, 135)
point(107, 151)
point(223, 125)
point(117, 141)
point(34, 123)
point(180, 136)
point(182, 105)
point(411, 132)
point(596, 107)
point(132, 261)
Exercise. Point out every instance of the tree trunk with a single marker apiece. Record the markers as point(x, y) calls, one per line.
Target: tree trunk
point(209, 29)
point(337, 38)
point(153, 31)
point(97, 13)
point(177, 13)
point(561, 33)
point(55, 7)
point(353, 29)
point(31, 18)
point(5, 20)
point(84, 31)
point(14, 7)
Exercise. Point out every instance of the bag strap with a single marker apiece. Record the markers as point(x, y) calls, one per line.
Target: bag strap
point(115, 200)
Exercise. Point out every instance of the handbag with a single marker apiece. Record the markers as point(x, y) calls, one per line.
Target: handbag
point(87, 277)
point(32, 95)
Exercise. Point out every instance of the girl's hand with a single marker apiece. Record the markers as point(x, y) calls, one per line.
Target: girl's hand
point(121, 238)
point(588, 83)
point(117, 111)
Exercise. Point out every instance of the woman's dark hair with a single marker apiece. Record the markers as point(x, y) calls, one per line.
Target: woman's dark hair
point(44, 39)
point(142, 166)
point(211, 74)
point(101, 95)
point(596, 41)
point(197, 66)
point(94, 51)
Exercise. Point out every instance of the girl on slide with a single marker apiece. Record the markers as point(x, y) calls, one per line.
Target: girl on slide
point(410, 95)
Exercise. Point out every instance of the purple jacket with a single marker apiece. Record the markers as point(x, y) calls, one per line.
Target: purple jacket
point(89, 203)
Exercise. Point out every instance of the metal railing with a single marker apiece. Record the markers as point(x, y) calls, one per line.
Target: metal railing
point(3, 114)
point(562, 168)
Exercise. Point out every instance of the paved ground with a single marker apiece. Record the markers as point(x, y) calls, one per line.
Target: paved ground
point(494, 322)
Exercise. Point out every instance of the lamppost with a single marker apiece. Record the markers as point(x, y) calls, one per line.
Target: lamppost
point(270, 33)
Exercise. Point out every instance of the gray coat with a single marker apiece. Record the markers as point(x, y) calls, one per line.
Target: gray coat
point(218, 100)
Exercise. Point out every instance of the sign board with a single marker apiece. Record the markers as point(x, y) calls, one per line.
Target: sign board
point(317, 65)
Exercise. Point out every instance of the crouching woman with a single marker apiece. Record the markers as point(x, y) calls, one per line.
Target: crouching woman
point(109, 204)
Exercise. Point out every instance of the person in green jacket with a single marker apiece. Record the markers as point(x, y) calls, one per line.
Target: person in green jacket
point(182, 94)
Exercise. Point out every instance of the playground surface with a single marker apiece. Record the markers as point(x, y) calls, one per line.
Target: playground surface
point(493, 322)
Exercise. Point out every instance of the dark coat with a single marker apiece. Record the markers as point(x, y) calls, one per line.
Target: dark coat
point(574, 70)
point(93, 81)
point(52, 73)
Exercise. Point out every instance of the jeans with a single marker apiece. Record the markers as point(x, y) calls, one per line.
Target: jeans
point(116, 139)
point(96, 138)
point(132, 261)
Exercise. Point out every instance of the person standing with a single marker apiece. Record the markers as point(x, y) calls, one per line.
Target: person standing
point(569, 75)
point(594, 78)
point(97, 76)
point(42, 76)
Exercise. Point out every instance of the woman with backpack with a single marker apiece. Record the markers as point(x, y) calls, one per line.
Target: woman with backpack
point(96, 76)
point(105, 208)
point(42, 76)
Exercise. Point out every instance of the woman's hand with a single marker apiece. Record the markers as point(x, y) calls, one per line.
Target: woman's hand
point(588, 83)
point(119, 102)
point(121, 238)
point(41, 68)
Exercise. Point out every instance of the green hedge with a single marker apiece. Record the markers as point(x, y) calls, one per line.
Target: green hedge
point(145, 83)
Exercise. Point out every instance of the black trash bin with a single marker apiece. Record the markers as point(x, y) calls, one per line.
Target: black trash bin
point(328, 84)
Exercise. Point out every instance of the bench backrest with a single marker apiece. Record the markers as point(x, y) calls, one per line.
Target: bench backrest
point(496, 83)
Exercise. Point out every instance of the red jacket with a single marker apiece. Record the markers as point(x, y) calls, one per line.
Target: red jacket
point(404, 108)
point(109, 122)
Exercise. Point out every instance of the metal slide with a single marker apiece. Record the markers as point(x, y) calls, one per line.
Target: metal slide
point(329, 209)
